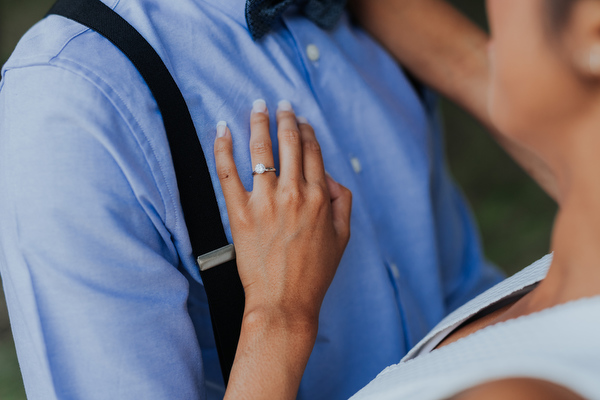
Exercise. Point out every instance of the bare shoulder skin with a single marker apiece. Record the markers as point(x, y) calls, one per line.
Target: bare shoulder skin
point(518, 389)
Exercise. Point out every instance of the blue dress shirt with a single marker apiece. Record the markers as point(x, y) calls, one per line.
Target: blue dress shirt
point(91, 229)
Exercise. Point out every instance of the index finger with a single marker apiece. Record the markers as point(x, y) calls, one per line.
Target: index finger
point(233, 190)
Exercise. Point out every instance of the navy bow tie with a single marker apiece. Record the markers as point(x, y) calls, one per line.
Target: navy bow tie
point(260, 14)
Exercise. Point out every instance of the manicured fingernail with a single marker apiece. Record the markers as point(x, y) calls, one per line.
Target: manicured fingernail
point(259, 106)
point(284, 105)
point(221, 129)
point(302, 120)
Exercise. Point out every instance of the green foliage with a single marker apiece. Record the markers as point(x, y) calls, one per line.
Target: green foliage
point(11, 384)
point(514, 215)
point(16, 16)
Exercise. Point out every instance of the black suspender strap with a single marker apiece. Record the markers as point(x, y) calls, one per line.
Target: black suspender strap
point(209, 243)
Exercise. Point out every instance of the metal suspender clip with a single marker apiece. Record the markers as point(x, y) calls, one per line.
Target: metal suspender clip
point(215, 258)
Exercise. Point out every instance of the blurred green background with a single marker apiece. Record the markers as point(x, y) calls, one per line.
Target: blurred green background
point(514, 215)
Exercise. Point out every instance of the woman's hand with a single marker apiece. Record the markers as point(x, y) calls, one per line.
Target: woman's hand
point(290, 233)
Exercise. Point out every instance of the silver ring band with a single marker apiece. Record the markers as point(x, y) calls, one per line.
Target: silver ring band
point(261, 169)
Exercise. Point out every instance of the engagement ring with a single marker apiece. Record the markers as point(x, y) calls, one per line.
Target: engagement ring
point(261, 169)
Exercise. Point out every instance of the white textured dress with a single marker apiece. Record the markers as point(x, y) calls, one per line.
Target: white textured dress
point(560, 345)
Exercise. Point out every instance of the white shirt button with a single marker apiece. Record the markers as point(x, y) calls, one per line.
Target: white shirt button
point(356, 165)
point(313, 53)
point(395, 271)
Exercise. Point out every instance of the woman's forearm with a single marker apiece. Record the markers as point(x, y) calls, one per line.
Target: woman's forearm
point(271, 356)
point(448, 52)
point(436, 43)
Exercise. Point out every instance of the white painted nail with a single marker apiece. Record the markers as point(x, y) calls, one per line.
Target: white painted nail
point(259, 106)
point(284, 105)
point(302, 120)
point(221, 129)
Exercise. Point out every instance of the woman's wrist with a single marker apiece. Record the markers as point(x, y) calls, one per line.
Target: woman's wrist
point(294, 333)
point(294, 323)
point(273, 351)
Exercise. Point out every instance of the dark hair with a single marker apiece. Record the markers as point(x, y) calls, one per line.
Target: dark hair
point(558, 12)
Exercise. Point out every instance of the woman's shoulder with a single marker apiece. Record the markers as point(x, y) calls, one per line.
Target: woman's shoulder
point(510, 287)
point(556, 345)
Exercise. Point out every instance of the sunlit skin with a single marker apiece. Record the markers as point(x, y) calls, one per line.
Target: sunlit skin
point(532, 83)
point(545, 96)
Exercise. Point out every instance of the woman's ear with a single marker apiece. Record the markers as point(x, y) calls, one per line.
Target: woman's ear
point(594, 60)
point(581, 39)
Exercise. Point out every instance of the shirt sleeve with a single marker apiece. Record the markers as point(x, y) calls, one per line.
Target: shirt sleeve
point(97, 299)
point(465, 271)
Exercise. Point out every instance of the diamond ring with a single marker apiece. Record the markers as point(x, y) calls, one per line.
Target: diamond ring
point(261, 169)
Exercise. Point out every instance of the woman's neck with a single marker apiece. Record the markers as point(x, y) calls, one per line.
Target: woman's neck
point(575, 270)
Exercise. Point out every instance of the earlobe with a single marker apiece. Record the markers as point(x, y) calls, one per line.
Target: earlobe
point(581, 38)
point(587, 61)
point(594, 60)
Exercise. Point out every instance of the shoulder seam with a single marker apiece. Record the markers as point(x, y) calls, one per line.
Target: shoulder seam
point(84, 29)
point(121, 109)
point(68, 41)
